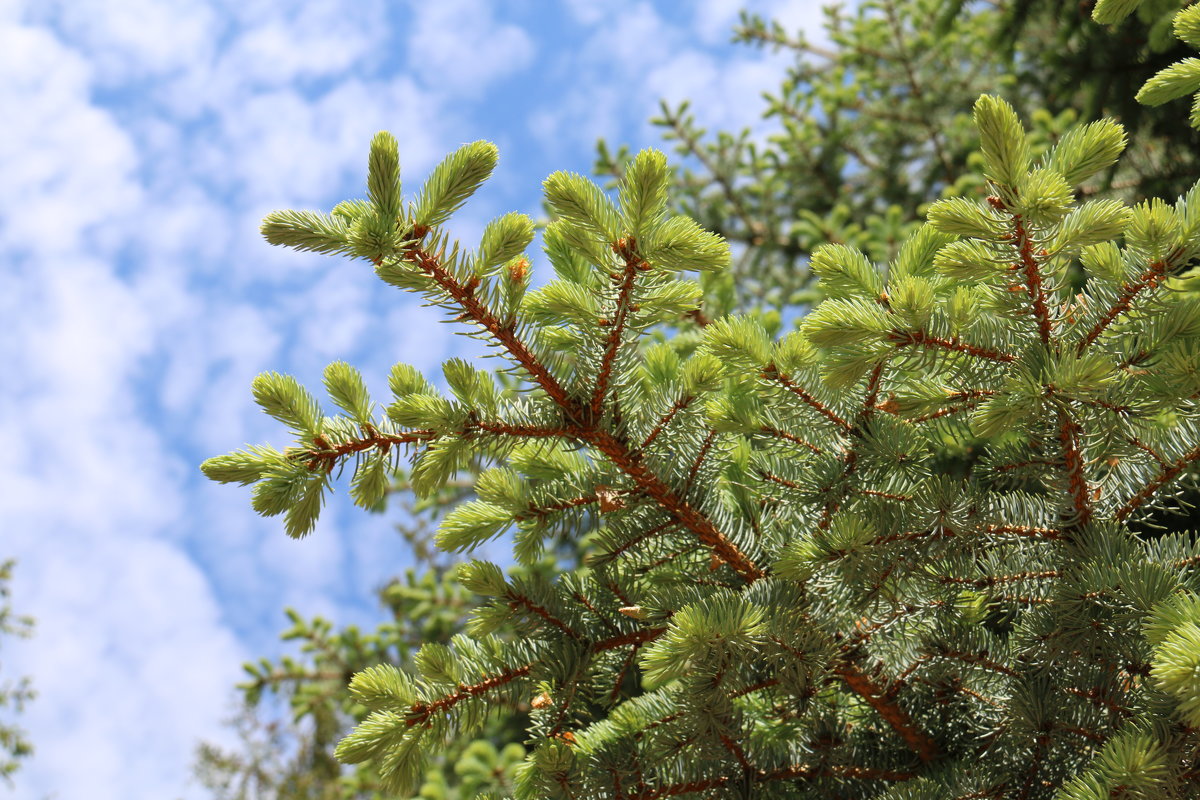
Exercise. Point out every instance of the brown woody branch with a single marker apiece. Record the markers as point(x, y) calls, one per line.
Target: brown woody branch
point(619, 453)
point(924, 339)
point(525, 431)
point(771, 372)
point(676, 407)
point(851, 459)
point(992, 580)
point(479, 313)
point(778, 434)
point(324, 455)
point(420, 713)
point(1068, 434)
point(516, 601)
point(882, 699)
point(794, 772)
point(1167, 475)
point(1149, 278)
point(1033, 279)
point(586, 427)
point(565, 505)
point(626, 248)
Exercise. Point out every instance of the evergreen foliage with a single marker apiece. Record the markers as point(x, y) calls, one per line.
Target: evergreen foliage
point(789, 589)
point(808, 604)
point(877, 124)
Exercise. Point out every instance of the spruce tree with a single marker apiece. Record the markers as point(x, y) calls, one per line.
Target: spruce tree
point(786, 591)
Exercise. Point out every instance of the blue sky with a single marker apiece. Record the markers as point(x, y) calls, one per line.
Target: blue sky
point(143, 141)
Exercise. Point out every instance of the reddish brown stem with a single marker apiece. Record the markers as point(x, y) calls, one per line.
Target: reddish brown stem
point(992, 580)
point(704, 448)
point(906, 338)
point(1068, 434)
point(678, 406)
point(767, 429)
point(620, 455)
point(626, 248)
point(325, 455)
point(516, 601)
point(882, 700)
point(483, 316)
point(640, 636)
point(541, 511)
point(793, 772)
point(420, 713)
point(1129, 291)
point(1033, 279)
point(1039, 752)
point(1166, 476)
point(528, 431)
point(771, 372)
point(588, 431)
point(641, 537)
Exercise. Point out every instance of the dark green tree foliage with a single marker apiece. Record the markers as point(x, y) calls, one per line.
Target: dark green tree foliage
point(784, 594)
point(13, 694)
point(877, 124)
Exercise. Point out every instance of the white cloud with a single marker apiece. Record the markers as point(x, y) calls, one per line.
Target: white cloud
point(459, 47)
point(715, 19)
point(66, 163)
point(133, 39)
point(132, 660)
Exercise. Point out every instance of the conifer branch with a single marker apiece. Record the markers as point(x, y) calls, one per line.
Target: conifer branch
point(771, 372)
point(1139, 444)
point(517, 600)
point(563, 505)
point(1149, 278)
point(420, 713)
point(992, 580)
point(778, 434)
point(773, 478)
point(1039, 752)
point(1033, 278)
point(756, 231)
point(1097, 697)
point(796, 772)
point(676, 407)
point(324, 455)
point(638, 637)
point(919, 337)
point(1167, 475)
point(520, 431)
point(851, 457)
point(882, 700)
point(641, 537)
point(626, 248)
point(1069, 432)
point(616, 690)
point(620, 455)
point(477, 312)
point(900, 498)
point(945, 412)
point(587, 429)
point(935, 137)
point(699, 460)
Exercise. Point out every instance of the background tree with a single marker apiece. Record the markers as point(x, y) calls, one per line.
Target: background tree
point(874, 127)
point(13, 694)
